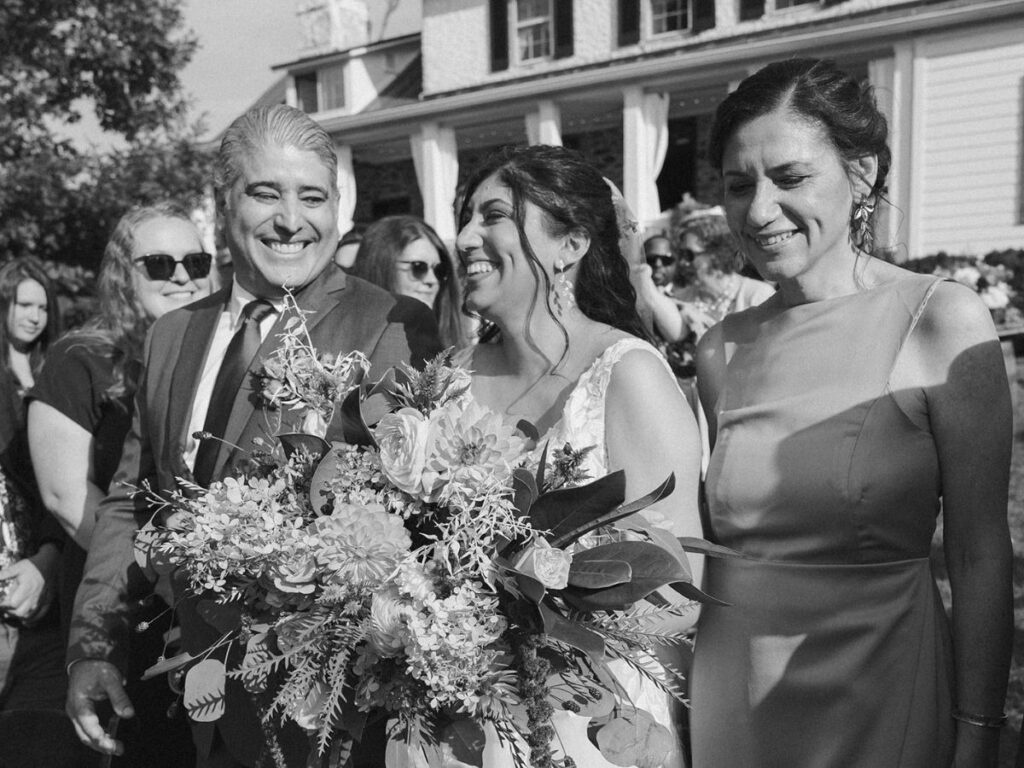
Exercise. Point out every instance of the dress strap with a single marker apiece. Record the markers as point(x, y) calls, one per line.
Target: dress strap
point(914, 319)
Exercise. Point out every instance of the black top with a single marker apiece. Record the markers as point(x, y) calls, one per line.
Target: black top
point(74, 380)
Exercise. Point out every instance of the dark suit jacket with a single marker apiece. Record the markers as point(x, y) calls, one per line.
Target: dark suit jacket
point(346, 314)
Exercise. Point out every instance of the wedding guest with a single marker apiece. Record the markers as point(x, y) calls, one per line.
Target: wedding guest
point(845, 411)
point(276, 189)
point(81, 412)
point(661, 257)
point(348, 247)
point(32, 682)
point(404, 255)
point(539, 244)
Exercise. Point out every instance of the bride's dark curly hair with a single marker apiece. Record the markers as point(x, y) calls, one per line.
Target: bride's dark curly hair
point(575, 197)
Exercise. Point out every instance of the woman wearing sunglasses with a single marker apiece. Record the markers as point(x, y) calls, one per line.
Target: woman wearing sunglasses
point(81, 410)
point(404, 255)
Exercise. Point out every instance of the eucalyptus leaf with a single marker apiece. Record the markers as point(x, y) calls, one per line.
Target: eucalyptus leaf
point(636, 740)
point(204, 691)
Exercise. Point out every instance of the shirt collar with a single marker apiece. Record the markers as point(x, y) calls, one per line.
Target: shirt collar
point(240, 297)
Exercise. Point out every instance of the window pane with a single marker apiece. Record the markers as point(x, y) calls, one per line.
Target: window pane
point(780, 4)
point(669, 16)
point(534, 41)
point(332, 86)
point(305, 92)
point(532, 9)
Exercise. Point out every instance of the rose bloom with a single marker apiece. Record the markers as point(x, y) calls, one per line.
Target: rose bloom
point(387, 622)
point(548, 565)
point(402, 437)
point(360, 545)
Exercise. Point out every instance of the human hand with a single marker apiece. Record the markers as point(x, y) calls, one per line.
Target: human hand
point(696, 319)
point(29, 585)
point(642, 278)
point(91, 681)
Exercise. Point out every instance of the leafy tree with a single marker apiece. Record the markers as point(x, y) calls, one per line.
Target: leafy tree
point(120, 58)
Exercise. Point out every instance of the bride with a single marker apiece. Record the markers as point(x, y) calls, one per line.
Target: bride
point(539, 248)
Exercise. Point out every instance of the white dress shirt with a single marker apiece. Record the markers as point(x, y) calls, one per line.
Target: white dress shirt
point(227, 324)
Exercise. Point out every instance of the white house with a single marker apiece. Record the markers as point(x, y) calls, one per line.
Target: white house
point(633, 85)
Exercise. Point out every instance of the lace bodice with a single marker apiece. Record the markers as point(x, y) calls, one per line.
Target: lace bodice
point(582, 421)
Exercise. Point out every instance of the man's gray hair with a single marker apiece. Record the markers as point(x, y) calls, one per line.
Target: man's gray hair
point(278, 125)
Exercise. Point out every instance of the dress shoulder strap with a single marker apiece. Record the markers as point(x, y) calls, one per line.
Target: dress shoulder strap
point(922, 303)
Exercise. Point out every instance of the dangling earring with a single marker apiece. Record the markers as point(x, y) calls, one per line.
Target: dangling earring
point(861, 231)
point(562, 297)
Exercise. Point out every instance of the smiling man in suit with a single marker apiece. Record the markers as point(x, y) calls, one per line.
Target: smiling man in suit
point(277, 193)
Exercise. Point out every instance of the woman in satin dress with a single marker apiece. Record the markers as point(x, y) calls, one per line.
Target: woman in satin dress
point(845, 412)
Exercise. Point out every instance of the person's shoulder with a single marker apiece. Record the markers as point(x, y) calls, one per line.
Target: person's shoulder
point(955, 311)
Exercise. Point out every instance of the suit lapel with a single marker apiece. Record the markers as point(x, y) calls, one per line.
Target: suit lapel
point(185, 380)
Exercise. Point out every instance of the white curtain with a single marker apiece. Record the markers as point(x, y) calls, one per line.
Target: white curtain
point(645, 132)
point(436, 160)
point(346, 188)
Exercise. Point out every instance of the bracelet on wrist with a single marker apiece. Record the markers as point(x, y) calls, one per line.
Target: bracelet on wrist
point(982, 721)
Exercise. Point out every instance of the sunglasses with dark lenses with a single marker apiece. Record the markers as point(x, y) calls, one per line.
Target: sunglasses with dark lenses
point(658, 260)
point(161, 266)
point(419, 269)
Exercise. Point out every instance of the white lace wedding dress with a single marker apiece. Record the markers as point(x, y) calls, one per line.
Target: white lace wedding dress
point(582, 424)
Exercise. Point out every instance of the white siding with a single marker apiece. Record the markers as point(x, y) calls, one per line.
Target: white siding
point(970, 136)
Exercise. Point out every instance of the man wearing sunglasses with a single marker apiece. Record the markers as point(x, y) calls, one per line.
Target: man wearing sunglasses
point(277, 194)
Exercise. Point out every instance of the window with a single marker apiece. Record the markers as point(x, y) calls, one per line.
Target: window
point(527, 31)
point(321, 90)
point(669, 16)
point(305, 93)
point(533, 29)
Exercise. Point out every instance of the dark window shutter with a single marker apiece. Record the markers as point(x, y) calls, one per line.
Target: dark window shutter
point(751, 9)
point(499, 35)
point(703, 15)
point(831, 2)
point(563, 28)
point(629, 22)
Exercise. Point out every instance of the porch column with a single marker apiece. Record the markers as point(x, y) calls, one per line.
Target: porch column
point(436, 159)
point(645, 142)
point(346, 188)
point(545, 125)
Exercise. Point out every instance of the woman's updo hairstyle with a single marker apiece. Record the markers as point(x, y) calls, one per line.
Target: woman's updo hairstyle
point(817, 91)
point(575, 197)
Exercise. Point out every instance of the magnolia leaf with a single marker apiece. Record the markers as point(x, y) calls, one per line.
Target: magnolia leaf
point(588, 698)
point(542, 466)
point(167, 665)
point(204, 691)
point(224, 617)
point(690, 591)
point(619, 512)
point(589, 572)
point(525, 490)
point(530, 587)
point(652, 567)
point(466, 739)
point(314, 445)
point(693, 544)
point(570, 633)
point(569, 512)
point(348, 420)
point(637, 740)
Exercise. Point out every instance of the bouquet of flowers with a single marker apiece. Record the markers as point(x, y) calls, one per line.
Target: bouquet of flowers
point(429, 568)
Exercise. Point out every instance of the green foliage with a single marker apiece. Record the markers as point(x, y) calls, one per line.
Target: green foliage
point(121, 59)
